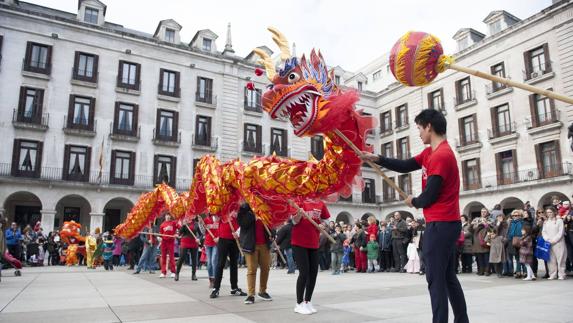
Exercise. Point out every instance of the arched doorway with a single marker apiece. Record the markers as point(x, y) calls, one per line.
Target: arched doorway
point(473, 209)
point(115, 211)
point(511, 203)
point(73, 208)
point(366, 215)
point(344, 217)
point(547, 199)
point(24, 208)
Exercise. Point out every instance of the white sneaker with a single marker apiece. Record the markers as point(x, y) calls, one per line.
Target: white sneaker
point(310, 307)
point(302, 309)
point(162, 276)
point(172, 275)
point(528, 278)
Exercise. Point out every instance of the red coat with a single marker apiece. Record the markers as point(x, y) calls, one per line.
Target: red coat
point(372, 229)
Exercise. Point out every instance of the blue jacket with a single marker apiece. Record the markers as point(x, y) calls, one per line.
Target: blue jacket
point(514, 229)
point(385, 239)
point(108, 250)
point(12, 238)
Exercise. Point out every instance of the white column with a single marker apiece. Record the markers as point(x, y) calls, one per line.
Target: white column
point(48, 219)
point(96, 221)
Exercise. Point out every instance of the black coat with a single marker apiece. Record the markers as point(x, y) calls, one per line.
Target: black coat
point(246, 219)
point(283, 236)
point(359, 240)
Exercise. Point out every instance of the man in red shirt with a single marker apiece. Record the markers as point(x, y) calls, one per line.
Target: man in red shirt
point(169, 228)
point(440, 201)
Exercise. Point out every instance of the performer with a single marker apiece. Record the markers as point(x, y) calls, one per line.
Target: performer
point(440, 201)
point(168, 227)
point(227, 246)
point(304, 240)
point(211, 224)
point(255, 242)
point(188, 243)
point(91, 246)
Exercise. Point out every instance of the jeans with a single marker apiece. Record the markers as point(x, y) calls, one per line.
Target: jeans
point(147, 259)
point(212, 259)
point(290, 260)
point(336, 261)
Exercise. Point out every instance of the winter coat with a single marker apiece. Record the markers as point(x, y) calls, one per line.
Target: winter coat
point(338, 246)
point(283, 236)
point(385, 239)
point(496, 250)
point(479, 232)
point(246, 219)
point(400, 230)
point(372, 229)
point(553, 231)
point(12, 237)
point(468, 238)
point(526, 250)
point(514, 230)
point(372, 250)
point(359, 240)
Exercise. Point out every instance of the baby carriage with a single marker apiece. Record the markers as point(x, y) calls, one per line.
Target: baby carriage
point(12, 262)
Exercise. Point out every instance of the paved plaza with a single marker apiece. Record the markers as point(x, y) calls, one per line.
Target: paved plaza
point(61, 294)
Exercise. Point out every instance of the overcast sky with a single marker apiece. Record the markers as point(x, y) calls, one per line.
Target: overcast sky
point(350, 33)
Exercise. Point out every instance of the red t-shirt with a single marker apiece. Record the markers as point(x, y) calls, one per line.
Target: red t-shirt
point(213, 226)
point(304, 234)
point(189, 241)
point(169, 228)
point(441, 162)
point(225, 229)
point(260, 237)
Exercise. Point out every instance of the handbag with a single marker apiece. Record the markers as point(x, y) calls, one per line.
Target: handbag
point(516, 242)
point(542, 249)
point(461, 239)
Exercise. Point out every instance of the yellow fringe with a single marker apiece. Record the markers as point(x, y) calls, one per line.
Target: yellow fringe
point(444, 62)
point(421, 59)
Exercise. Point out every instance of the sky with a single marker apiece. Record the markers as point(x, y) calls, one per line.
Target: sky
point(348, 33)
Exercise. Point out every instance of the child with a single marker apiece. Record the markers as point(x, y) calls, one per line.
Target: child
point(526, 251)
point(496, 251)
point(346, 256)
point(413, 265)
point(337, 250)
point(372, 254)
point(108, 247)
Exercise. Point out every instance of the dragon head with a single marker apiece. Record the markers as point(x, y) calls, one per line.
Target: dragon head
point(302, 92)
point(70, 232)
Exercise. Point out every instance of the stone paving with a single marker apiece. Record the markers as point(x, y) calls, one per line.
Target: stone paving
point(61, 294)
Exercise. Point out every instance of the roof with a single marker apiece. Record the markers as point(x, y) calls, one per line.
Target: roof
point(461, 31)
point(496, 13)
point(99, 2)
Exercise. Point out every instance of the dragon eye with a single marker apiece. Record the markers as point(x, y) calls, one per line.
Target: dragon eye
point(293, 77)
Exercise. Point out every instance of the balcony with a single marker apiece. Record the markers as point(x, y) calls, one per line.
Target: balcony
point(89, 79)
point(494, 90)
point(206, 99)
point(389, 196)
point(118, 134)
point(468, 143)
point(37, 69)
point(472, 185)
point(461, 103)
point(386, 130)
point(402, 126)
point(539, 73)
point(95, 178)
point(30, 121)
point(542, 123)
point(282, 153)
point(172, 94)
point(83, 129)
point(208, 144)
point(167, 140)
point(255, 109)
point(124, 86)
point(252, 150)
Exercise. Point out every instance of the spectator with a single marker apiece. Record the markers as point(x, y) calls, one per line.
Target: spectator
point(513, 236)
point(467, 252)
point(117, 250)
point(346, 256)
point(479, 228)
point(526, 251)
point(108, 247)
point(553, 231)
point(568, 222)
point(323, 250)
point(283, 240)
point(372, 227)
point(413, 265)
point(495, 212)
point(385, 245)
point(372, 254)
point(497, 249)
point(337, 250)
point(399, 242)
point(359, 242)
point(13, 238)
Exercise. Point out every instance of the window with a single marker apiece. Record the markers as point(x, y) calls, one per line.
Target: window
point(387, 150)
point(30, 105)
point(405, 184)
point(91, 15)
point(542, 110)
point(129, 75)
point(506, 165)
point(253, 100)
point(337, 79)
point(369, 193)
point(537, 62)
point(468, 130)
point(501, 121)
point(164, 168)
point(81, 112)
point(376, 76)
point(279, 142)
point(359, 86)
point(402, 116)
point(498, 70)
point(388, 192)
point(203, 131)
point(204, 90)
point(195, 162)
point(463, 43)
point(471, 170)
point(76, 163)
point(122, 167)
point(38, 58)
point(166, 125)
point(436, 100)
point(317, 147)
point(386, 122)
point(125, 120)
point(548, 159)
point(463, 91)
point(403, 148)
point(169, 83)
point(169, 35)
point(207, 44)
point(26, 158)
point(85, 67)
point(252, 139)
point(495, 27)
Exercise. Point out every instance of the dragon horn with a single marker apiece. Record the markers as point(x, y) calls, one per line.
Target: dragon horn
point(267, 62)
point(282, 42)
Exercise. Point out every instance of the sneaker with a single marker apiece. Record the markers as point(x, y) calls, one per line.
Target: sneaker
point(136, 272)
point(172, 275)
point(302, 309)
point(238, 292)
point(176, 278)
point(162, 276)
point(264, 296)
point(310, 307)
point(250, 300)
point(152, 272)
point(193, 277)
point(561, 278)
point(528, 278)
point(214, 293)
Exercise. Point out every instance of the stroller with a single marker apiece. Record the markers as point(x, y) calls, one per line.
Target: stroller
point(9, 260)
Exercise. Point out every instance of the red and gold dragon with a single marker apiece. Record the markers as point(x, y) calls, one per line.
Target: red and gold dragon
point(303, 92)
point(70, 235)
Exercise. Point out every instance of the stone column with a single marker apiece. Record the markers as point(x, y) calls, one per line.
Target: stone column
point(48, 219)
point(96, 221)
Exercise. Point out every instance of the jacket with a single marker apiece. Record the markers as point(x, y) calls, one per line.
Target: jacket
point(400, 230)
point(283, 236)
point(246, 219)
point(187, 239)
point(12, 237)
point(385, 239)
point(338, 246)
point(372, 250)
point(359, 240)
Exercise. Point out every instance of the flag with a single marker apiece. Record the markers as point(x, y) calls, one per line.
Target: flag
point(101, 162)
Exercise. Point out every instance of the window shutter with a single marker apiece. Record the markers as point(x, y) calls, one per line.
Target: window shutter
point(198, 87)
point(173, 178)
point(209, 90)
point(175, 133)
point(71, 109)
point(112, 167)
point(498, 169)
point(135, 129)
point(245, 135)
point(38, 165)
point(382, 125)
point(76, 64)
point(462, 132)
point(245, 97)
point(405, 121)
point(49, 60)
point(138, 76)
point(533, 110)
point(116, 117)
point(156, 179)
point(515, 170)
point(158, 124)
point(65, 172)
point(92, 114)
point(478, 172)
point(177, 88)
point(285, 143)
point(548, 67)
point(442, 99)
point(259, 139)
point(95, 69)
point(465, 174)
point(558, 167)
point(15, 157)
point(538, 157)
point(87, 168)
point(527, 61)
point(132, 168)
point(160, 86)
point(552, 107)
point(119, 73)
point(430, 101)
point(494, 122)
point(28, 56)
point(39, 105)
point(22, 102)
point(476, 132)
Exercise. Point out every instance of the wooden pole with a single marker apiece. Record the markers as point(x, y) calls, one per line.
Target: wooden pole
point(193, 234)
point(205, 226)
point(275, 243)
point(374, 166)
point(236, 240)
point(293, 204)
point(159, 234)
point(526, 87)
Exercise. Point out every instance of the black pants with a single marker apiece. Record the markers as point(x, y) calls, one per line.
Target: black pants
point(322, 260)
point(116, 260)
point(108, 264)
point(183, 254)
point(385, 259)
point(439, 254)
point(399, 250)
point(467, 260)
point(482, 260)
point(307, 263)
point(227, 247)
point(133, 256)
